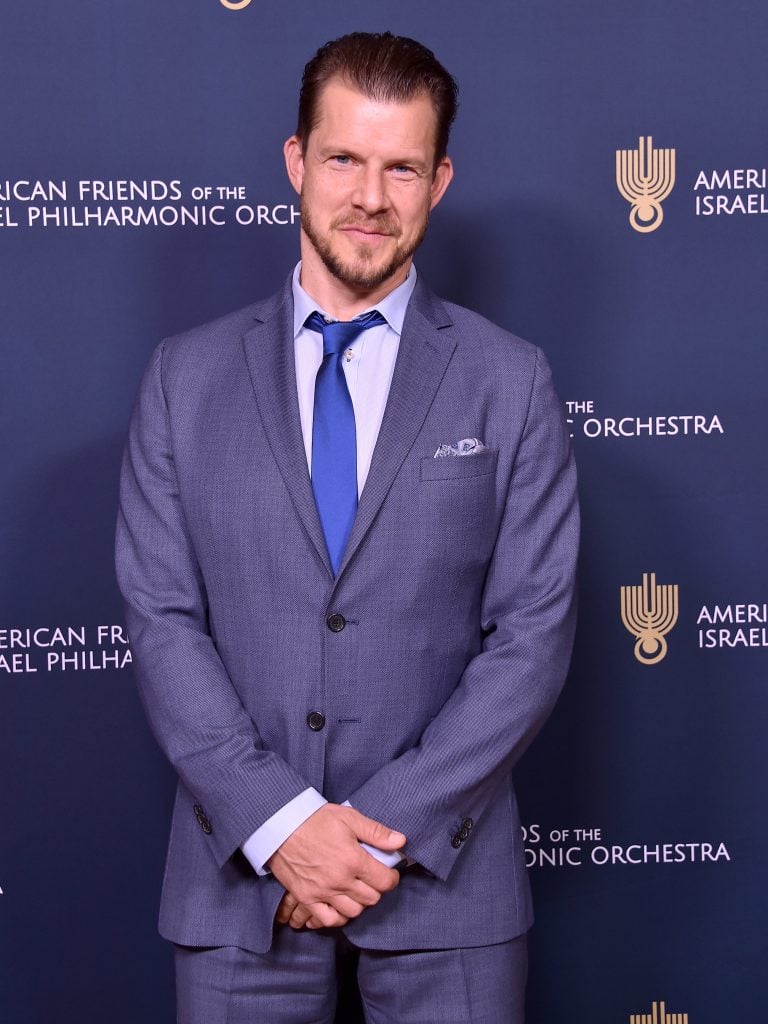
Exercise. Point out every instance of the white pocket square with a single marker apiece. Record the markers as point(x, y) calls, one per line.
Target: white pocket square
point(469, 446)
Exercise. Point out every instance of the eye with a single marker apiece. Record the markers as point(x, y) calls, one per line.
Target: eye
point(404, 171)
point(341, 159)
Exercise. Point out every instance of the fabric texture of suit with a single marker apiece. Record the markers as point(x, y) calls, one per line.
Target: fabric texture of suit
point(455, 600)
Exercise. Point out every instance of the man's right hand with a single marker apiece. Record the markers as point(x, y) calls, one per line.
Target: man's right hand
point(323, 865)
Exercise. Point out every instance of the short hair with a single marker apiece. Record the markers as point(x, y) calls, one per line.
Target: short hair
point(384, 67)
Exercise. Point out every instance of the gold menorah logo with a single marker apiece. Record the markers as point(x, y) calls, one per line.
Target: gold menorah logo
point(649, 612)
point(645, 176)
point(658, 1015)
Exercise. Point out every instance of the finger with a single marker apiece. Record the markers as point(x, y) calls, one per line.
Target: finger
point(362, 893)
point(326, 916)
point(303, 917)
point(373, 832)
point(313, 923)
point(346, 906)
point(287, 905)
point(301, 914)
point(375, 874)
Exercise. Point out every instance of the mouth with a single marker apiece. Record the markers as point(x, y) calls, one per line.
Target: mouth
point(364, 234)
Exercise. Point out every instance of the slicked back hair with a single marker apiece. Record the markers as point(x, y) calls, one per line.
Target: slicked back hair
point(385, 68)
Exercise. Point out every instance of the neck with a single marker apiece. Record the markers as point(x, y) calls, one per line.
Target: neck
point(340, 300)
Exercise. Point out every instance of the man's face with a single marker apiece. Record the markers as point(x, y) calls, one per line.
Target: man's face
point(367, 182)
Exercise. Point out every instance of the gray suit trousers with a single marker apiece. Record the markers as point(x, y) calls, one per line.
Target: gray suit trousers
point(295, 983)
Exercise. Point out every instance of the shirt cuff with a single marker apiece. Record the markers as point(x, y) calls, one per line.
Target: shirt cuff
point(275, 830)
point(390, 860)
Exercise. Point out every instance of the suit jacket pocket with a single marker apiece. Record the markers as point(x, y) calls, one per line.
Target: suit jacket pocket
point(457, 467)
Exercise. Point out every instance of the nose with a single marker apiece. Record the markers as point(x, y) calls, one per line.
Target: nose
point(371, 193)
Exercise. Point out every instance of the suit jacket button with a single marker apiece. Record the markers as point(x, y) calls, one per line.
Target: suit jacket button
point(455, 842)
point(202, 819)
point(463, 832)
point(336, 622)
point(315, 721)
point(467, 823)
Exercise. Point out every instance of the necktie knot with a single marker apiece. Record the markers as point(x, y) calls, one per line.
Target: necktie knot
point(339, 334)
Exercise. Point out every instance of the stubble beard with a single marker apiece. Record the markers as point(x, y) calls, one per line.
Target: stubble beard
point(361, 275)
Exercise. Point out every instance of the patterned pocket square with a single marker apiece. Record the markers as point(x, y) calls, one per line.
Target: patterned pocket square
point(469, 446)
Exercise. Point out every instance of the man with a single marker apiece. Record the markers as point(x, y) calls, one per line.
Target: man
point(347, 548)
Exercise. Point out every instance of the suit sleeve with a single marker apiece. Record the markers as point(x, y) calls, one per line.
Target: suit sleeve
point(190, 702)
point(507, 691)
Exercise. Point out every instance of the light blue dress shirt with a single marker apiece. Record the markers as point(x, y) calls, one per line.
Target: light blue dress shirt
point(368, 364)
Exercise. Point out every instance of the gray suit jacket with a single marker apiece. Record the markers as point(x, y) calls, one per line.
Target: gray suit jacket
point(455, 594)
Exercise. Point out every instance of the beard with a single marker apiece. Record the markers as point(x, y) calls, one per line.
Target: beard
point(361, 272)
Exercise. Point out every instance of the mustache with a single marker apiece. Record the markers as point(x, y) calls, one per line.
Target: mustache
point(380, 225)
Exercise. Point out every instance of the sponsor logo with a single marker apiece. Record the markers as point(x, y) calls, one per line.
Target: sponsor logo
point(128, 203)
point(658, 1015)
point(733, 190)
point(649, 612)
point(733, 625)
point(645, 176)
point(571, 847)
point(54, 649)
point(583, 420)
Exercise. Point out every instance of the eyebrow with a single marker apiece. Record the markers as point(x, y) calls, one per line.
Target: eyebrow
point(411, 161)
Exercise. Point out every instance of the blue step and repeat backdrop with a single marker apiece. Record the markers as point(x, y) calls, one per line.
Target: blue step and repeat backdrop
point(610, 205)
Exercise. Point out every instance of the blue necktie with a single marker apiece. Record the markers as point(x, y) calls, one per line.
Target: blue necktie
point(334, 442)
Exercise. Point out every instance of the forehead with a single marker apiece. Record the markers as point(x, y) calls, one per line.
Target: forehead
point(345, 113)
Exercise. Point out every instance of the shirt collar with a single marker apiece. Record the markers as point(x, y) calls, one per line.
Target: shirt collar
point(392, 307)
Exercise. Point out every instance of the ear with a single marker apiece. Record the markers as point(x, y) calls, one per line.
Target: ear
point(294, 162)
point(441, 181)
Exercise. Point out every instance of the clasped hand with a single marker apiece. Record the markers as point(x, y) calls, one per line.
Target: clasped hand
point(328, 877)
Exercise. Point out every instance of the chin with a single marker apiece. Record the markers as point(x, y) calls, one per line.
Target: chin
point(366, 278)
point(361, 272)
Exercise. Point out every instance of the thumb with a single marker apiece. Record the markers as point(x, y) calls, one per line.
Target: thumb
point(374, 833)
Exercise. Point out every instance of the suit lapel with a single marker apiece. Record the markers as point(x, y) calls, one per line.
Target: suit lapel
point(422, 359)
point(270, 357)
